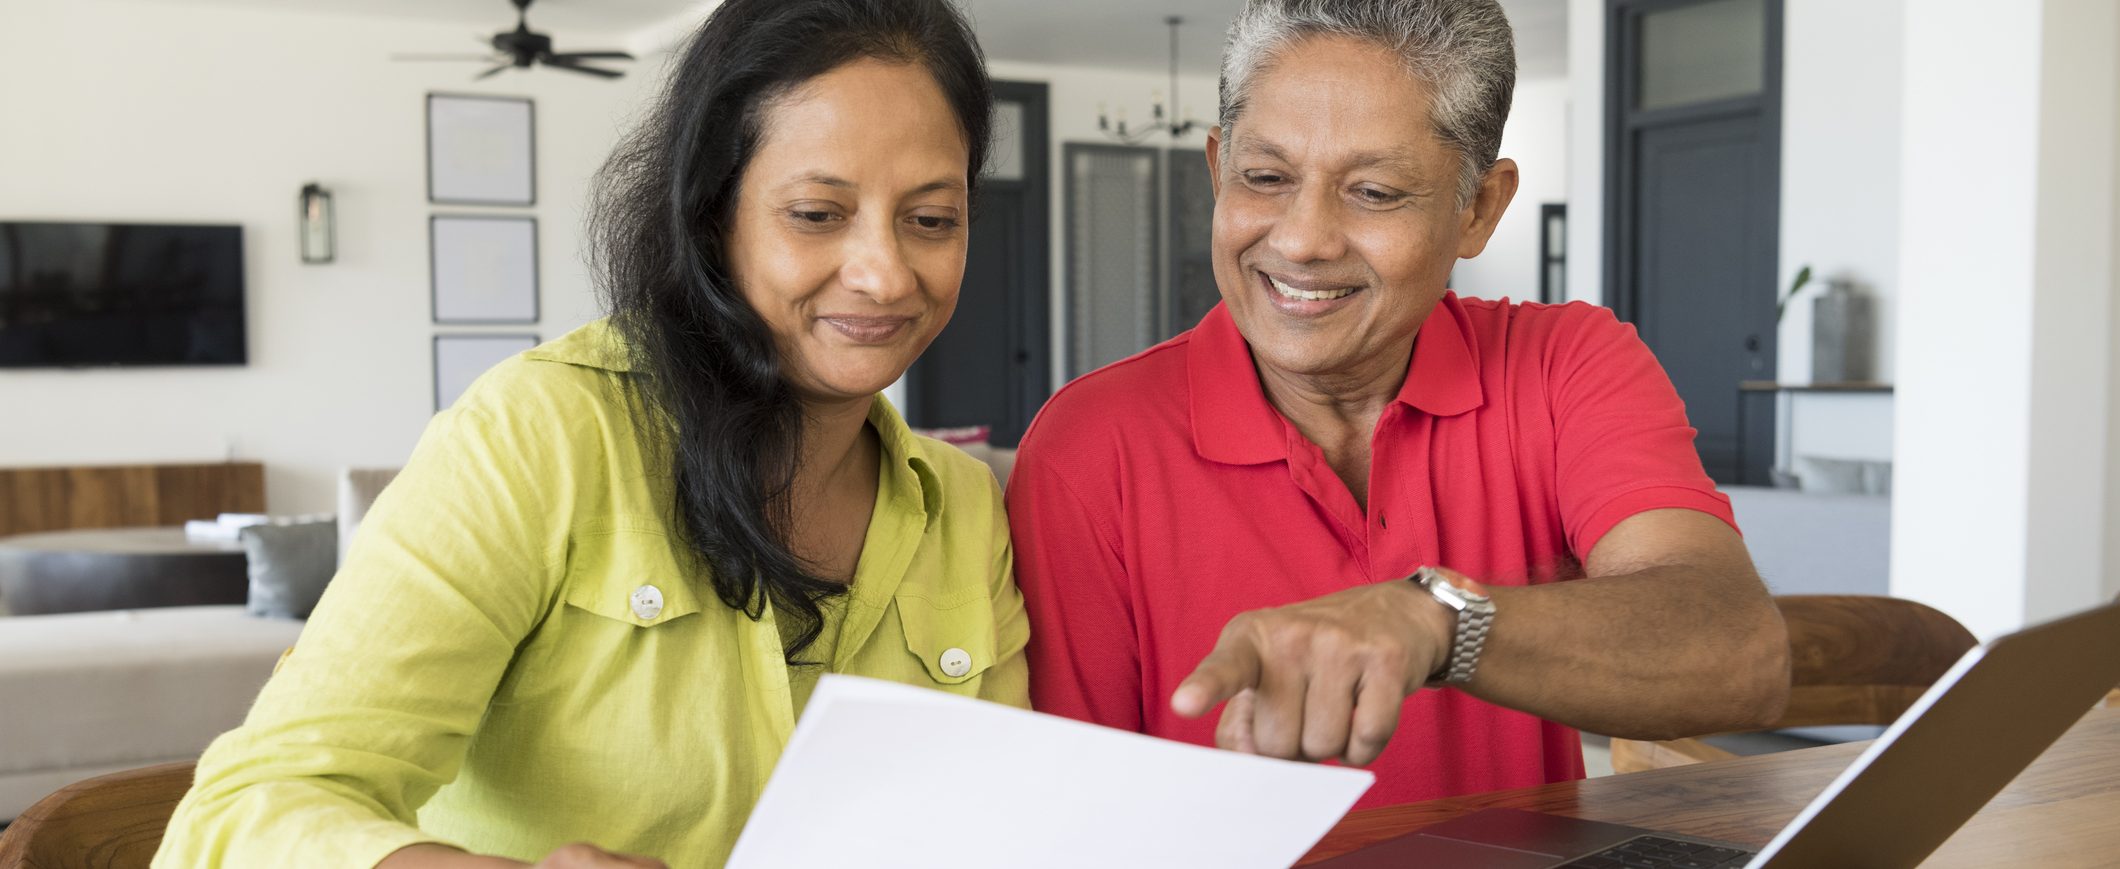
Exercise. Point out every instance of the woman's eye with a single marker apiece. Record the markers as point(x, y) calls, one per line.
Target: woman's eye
point(812, 216)
point(933, 223)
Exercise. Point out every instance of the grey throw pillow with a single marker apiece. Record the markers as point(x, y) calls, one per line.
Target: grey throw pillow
point(289, 565)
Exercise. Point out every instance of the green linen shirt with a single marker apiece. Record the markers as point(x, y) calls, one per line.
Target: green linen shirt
point(478, 673)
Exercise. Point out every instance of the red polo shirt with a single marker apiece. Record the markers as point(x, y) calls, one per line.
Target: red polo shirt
point(1159, 496)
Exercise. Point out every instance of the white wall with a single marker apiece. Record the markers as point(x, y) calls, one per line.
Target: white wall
point(1840, 163)
point(2003, 409)
point(1840, 203)
point(1586, 151)
point(2112, 454)
point(1537, 139)
point(162, 112)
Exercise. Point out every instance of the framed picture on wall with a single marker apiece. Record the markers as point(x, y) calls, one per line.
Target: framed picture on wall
point(481, 150)
point(460, 359)
point(483, 268)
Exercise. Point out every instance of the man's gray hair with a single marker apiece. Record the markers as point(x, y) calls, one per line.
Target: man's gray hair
point(1462, 49)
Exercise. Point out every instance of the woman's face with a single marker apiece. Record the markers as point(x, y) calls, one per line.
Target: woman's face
point(850, 224)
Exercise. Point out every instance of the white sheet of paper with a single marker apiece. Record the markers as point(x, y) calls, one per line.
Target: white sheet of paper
point(880, 774)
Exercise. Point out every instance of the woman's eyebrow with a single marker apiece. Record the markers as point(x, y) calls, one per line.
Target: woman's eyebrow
point(829, 180)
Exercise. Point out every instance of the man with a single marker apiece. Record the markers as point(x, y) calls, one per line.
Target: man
point(1239, 513)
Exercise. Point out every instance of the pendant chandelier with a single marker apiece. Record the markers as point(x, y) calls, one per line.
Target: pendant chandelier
point(1160, 120)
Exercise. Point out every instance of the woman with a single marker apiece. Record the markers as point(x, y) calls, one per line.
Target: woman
point(593, 604)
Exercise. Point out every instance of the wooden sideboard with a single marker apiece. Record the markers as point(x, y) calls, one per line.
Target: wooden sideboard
point(118, 496)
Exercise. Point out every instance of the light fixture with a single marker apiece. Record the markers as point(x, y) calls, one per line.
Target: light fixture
point(1162, 122)
point(316, 225)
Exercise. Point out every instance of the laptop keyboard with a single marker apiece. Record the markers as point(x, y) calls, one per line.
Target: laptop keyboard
point(1656, 852)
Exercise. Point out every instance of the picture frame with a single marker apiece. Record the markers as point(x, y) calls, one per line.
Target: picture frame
point(481, 150)
point(482, 269)
point(460, 357)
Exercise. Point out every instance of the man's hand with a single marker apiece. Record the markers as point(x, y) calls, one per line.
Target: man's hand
point(1322, 679)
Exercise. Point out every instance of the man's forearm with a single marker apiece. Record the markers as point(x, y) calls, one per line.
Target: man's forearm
point(1663, 652)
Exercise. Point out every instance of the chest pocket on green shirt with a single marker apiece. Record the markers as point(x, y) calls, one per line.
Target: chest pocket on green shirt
point(633, 577)
point(953, 644)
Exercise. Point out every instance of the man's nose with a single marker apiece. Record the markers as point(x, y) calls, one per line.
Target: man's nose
point(1310, 230)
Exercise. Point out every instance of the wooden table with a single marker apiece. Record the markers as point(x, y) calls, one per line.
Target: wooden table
point(2062, 811)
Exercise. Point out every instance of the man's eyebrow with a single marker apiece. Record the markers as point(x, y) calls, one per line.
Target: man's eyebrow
point(1394, 159)
point(1252, 147)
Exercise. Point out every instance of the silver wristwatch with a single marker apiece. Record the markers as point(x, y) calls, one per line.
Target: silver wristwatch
point(1475, 612)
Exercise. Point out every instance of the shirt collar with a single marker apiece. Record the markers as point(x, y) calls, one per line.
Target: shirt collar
point(911, 473)
point(1233, 423)
point(595, 345)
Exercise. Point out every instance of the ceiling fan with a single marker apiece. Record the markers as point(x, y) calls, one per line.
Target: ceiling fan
point(525, 48)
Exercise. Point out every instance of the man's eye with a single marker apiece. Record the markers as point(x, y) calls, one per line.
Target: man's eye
point(1376, 197)
point(1264, 178)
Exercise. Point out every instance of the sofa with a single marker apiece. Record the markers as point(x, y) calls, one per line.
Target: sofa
point(96, 692)
point(84, 694)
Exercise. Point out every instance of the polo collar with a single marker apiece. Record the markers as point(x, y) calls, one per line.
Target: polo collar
point(1444, 377)
point(1233, 423)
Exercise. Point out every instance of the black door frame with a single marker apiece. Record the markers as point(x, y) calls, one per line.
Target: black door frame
point(1623, 125)
point(1029, 310)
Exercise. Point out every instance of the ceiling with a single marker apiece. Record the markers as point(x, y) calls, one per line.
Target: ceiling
point(1125, 34)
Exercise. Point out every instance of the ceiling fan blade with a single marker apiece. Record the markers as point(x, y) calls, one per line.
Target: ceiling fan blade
point(571, 65)
point(484, 57)
point(593, 55)
point(491, 72)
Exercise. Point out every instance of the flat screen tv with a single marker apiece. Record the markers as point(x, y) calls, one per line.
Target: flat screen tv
point(90, 294)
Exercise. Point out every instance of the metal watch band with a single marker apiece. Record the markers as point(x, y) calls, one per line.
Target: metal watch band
point(1475, 614)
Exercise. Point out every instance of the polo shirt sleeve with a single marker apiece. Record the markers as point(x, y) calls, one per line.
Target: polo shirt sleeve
point(373, 709)
point(1084, 663)
point(1622, 445)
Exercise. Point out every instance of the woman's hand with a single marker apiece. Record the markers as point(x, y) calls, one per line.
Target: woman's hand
point(585, 856)
point(579, 855)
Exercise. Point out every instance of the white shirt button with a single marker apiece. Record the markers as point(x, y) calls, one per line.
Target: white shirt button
point(956, 662)
point(647, 602)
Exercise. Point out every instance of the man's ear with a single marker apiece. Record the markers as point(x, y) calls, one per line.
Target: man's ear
point(1214, 160)
point(1476, 223)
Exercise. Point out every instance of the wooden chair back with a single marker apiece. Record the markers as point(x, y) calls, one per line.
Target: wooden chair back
point(108, 822)
point(1853, 660)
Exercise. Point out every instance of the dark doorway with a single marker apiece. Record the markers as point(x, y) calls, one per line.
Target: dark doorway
point(1693, 115)
point(990, 366)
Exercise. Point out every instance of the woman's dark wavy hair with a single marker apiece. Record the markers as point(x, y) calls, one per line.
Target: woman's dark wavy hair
point(709, 390)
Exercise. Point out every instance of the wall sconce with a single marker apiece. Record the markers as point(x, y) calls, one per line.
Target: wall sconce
point(316, 229)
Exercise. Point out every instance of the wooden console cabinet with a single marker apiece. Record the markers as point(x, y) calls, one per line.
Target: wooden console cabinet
point(120, 496)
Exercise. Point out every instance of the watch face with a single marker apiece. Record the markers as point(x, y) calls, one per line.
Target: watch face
point(1448, 591)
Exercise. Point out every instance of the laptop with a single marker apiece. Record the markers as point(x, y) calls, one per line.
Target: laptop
point(1979, 726)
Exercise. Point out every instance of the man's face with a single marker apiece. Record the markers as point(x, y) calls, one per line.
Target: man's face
point(1336, 220)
